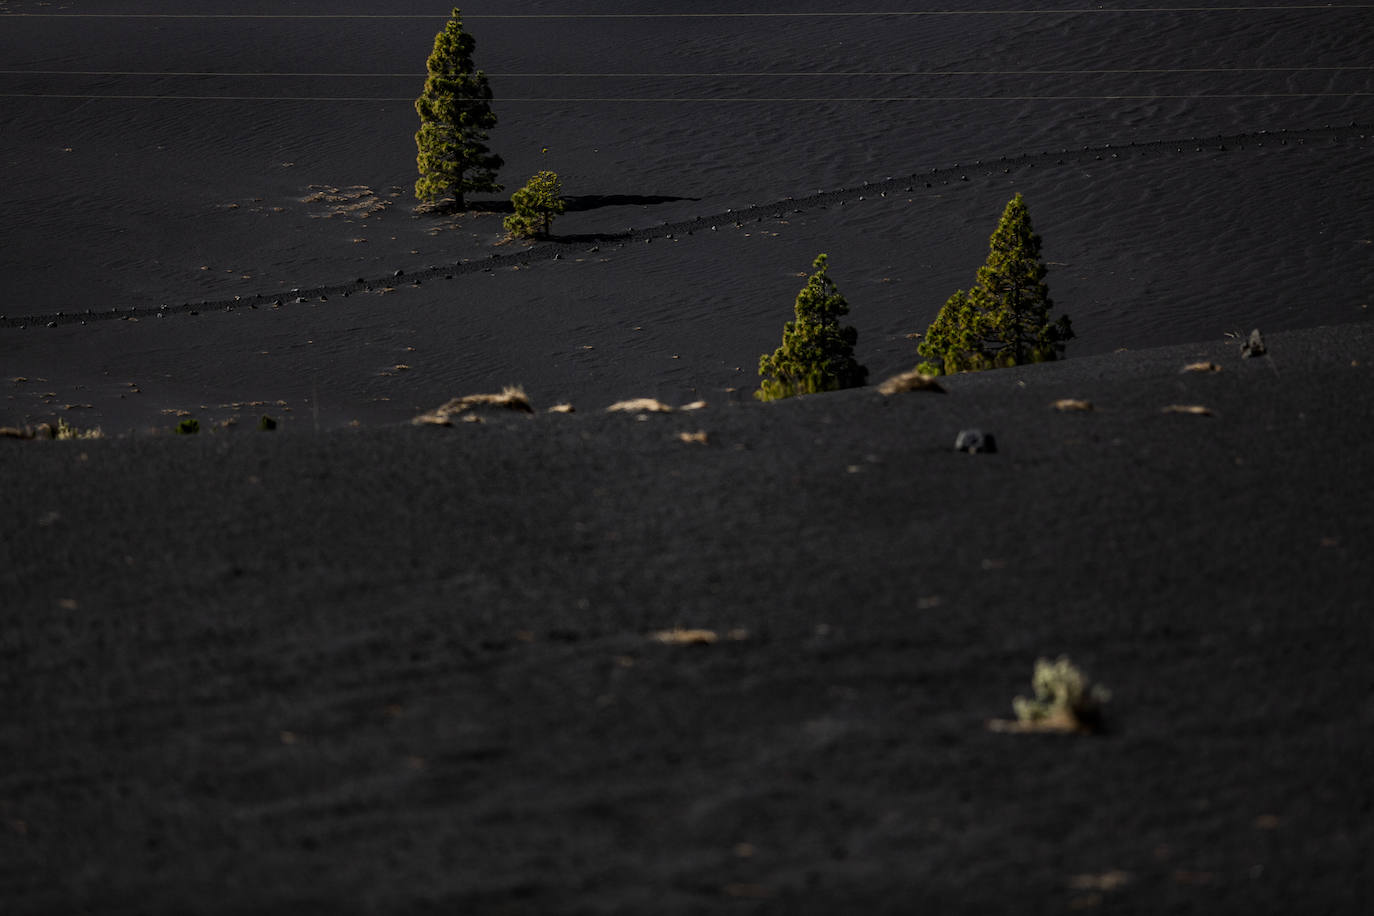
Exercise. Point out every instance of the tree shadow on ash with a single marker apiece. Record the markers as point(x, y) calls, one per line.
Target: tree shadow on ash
point(487, 206)
point(584, 202)
point(597, 201)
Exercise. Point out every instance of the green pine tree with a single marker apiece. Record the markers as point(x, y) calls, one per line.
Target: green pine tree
point(1004, 320)
point(455, 115)
point(817, 354)
point(536, 204)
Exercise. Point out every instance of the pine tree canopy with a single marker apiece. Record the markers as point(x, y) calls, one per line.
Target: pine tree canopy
point(1004, 320)
point(536, 204)
point(455, 115)
point(817, 354)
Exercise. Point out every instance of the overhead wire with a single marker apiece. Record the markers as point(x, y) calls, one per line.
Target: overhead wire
point(701, 75)
point(705, 99)
point(697, 75)
point(1012, 11)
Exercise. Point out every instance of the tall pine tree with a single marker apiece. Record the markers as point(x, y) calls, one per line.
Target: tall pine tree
point(1004, 320)
point(817, 354)
point(455, 115)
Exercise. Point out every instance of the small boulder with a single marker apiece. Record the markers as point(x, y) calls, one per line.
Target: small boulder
point(1254, 346)
point(974, 441)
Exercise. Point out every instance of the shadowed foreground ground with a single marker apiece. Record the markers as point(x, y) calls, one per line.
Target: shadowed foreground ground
point(408, 670)
point(404, 670)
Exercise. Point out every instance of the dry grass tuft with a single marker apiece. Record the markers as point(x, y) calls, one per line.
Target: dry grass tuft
point(510, 398)
point(1201, 367)
point(699, 437)
point(679, 636)
point(1106, 881)
point(639, 405)
point(1065, 702)
point(59, 430)
point(356, 200)
point(685, 637)
point(912, 380)
point(1071, 405)
point(1196, 410)
point(562, 408)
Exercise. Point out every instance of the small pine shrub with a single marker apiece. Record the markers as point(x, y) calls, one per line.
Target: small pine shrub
point(536, 204)
point(817, 353)
point(187, 427)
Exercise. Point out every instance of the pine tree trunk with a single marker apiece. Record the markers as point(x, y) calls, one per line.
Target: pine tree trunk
point(1016, 324)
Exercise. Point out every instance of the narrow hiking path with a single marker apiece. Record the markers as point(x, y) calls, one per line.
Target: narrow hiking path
point(553, 249)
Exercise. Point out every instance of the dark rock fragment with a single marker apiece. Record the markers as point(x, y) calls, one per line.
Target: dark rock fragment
point(974, 441)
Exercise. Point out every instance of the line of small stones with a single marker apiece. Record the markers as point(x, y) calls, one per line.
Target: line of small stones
point(554, 250)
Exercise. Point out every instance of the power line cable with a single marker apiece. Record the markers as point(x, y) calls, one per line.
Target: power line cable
point(701, 75)
point(711, 99)
point(1017, 11)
